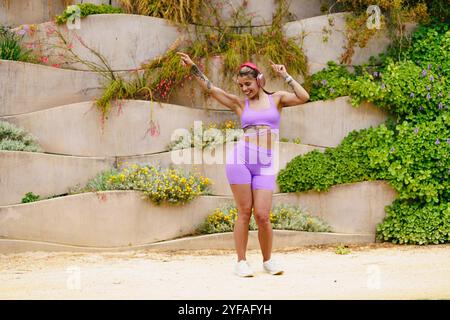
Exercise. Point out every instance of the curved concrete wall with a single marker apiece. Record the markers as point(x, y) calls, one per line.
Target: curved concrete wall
point(27, 87)
point(17, 12)
point(125, 52)
point(106, 219)
point(214, 171)
point(282, 239)
point(319, 52)
point(126, 133)
point(348, 208)
point(75, 129)
point(123, 218)
point(114, 3)
point(47, 174)
point(13, 12)
point(126, 41)
point(44, 174)
point(263, 10)
point(326, 123)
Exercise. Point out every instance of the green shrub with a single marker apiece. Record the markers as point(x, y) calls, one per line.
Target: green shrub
point(10, 46)
point(419, 162)
point(410, 91)
point(331, 82)
point(429, 44)
point(98, 183)
point(30, 197)
point(419, 169)
point(414, 159)
point(411, 83)
point(182, 12)
point(86, 10)
point(403, 89)
point(282, 217)
point(361, 156)
point(16, 139)
point(416, 222)
point(342, 249)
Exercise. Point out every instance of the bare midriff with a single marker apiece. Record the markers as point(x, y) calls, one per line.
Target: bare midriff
point(260, 135)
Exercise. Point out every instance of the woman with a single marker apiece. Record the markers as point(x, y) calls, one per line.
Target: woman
point(253, 182)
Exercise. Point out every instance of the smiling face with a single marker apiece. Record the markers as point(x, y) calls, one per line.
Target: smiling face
point(247, 83)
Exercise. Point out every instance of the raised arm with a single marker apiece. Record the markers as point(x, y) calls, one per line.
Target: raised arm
point(228, 100)
point(299, 96)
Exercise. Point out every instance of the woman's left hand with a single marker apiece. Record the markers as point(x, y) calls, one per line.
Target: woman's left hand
point(279, 69)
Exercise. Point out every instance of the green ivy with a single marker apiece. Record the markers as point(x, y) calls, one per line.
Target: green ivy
point(413, 158)
point(415, 222)
point(406, 90)
point(360, 157)
point(411, 84)
point(331, 82)
point(419, 161)
point(428, 44)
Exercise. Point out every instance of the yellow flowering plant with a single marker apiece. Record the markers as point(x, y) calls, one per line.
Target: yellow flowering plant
point(282, 217)
point(169, 185)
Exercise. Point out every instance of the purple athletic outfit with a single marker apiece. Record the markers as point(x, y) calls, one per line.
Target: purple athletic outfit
point(249, 163)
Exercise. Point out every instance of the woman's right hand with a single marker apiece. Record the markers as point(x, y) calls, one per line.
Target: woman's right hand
point(185, 59)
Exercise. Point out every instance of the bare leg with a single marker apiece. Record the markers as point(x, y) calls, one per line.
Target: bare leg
point(243, 197)
point(262, 202)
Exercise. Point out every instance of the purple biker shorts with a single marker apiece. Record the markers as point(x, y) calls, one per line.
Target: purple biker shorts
point(251, 164)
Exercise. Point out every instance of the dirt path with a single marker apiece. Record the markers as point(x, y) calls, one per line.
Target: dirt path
point(379, 271)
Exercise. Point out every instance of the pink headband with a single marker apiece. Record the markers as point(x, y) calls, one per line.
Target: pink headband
point(250, 65)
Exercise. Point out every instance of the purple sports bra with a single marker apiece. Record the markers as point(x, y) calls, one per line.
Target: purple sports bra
point(269, 116)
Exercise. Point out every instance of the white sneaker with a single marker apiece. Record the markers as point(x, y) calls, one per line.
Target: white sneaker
point(272, 267)
point(242, 269)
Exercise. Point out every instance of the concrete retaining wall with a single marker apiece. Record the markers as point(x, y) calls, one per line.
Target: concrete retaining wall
point(44, 174)
point(27, 87)
point(348, 208)
point(326, 123)
point(47, 174)
point(323, 39)
point(17, 12)
point(263, 10)
point(125, 41)
point(283, 239)
point(106, 219)
point(75, 129)
point(126, 132)
point(123, 218)
point(215, 171)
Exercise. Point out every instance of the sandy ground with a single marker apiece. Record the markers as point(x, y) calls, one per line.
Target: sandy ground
point(377, 271)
